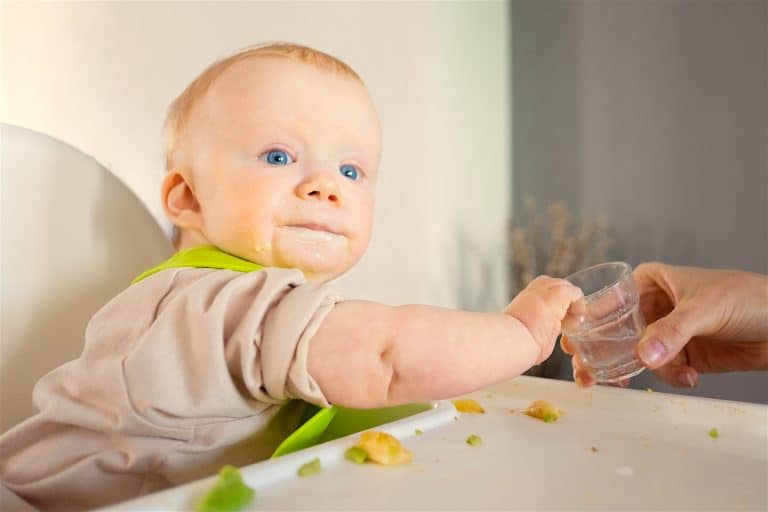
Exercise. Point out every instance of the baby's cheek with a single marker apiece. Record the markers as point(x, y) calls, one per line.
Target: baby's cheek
point(251, 238)
point(362, 223)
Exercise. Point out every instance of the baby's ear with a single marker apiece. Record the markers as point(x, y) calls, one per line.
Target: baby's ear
point(179, 201)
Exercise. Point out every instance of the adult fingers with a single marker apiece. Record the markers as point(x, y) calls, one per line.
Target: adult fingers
point(664, 338)
point(651, 275)
point(678, 372)
point(680, 376)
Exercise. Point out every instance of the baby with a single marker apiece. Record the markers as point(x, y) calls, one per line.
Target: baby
point(272, 157)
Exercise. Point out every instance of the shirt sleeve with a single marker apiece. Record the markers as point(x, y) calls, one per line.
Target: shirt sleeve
point(225, 340)
point(175, 372)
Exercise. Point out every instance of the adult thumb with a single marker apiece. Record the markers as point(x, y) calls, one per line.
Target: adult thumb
point(666, 337)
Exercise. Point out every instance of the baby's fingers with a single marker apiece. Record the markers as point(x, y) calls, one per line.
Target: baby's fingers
point(566, 300)
point(575, 314)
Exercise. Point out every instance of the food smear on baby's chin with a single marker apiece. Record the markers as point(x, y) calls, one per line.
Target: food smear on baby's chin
point(262, 248)
point(544, 411)
point(381, 448)
point(228, 494)
point(468, 406)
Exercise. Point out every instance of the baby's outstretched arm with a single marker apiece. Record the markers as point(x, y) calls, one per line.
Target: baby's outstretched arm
point(370, 355)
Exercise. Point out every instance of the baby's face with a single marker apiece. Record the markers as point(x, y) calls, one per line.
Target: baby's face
point(284, 160)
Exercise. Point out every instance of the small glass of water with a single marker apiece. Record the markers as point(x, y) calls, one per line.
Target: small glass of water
point(606, 337)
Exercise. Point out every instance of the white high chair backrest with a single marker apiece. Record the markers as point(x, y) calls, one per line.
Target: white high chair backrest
point(72, 236)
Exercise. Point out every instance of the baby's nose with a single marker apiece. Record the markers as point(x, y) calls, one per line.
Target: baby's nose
point(321, 187)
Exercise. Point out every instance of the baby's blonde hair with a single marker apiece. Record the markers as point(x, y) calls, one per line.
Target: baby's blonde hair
point(180, 109)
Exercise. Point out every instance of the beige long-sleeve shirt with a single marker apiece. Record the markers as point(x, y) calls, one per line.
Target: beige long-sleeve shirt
point(181, 373)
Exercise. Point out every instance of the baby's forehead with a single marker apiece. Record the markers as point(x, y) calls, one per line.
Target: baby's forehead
point(283, 94)
point(250, 76)
point(288, 87)
point(268, 74)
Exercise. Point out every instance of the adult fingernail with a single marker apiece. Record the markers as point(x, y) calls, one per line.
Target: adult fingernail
point(686, 379)
point(652, 352)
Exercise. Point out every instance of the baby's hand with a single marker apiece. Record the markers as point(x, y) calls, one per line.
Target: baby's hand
point(544, 306)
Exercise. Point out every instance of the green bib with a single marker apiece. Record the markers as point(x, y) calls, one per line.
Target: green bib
point(204, 256)
point(322, 424)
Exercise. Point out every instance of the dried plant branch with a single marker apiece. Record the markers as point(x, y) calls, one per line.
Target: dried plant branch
point(553, 243)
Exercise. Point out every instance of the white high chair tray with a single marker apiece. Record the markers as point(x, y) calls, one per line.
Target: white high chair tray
point(652, 451)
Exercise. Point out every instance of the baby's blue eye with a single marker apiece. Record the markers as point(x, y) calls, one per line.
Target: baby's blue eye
point(349, 171)
point(278, 157)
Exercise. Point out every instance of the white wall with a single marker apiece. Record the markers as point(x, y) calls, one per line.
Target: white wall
point(100, 76)
point(655, 114)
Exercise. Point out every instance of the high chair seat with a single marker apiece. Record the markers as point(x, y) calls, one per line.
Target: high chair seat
point(73, 236)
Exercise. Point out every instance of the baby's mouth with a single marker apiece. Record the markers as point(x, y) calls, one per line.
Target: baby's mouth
point(312, 226)
point(312, 232)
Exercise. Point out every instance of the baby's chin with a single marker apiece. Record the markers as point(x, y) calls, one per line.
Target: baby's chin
point(321, 256)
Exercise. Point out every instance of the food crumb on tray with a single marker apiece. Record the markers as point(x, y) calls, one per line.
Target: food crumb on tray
point(310, 468)
point(467, 405)
point(474, 440)
point(228, 494)
point(356, 455)
point(544, 411)
point(379, 447)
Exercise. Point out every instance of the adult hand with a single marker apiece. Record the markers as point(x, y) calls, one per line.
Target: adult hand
point(699, 321)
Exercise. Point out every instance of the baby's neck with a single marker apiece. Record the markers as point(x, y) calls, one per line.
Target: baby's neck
point(189, 239)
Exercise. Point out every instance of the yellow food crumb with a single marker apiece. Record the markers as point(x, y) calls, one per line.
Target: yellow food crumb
point(384, 449)
point(543, 410)
point(468, 406)
point(474, 440)
point(714, 433)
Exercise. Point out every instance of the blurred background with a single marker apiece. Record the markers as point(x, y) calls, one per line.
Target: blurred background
point(648, 117)
point(613, 129)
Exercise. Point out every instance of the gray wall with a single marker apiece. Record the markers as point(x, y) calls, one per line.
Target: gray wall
point(655, 114)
